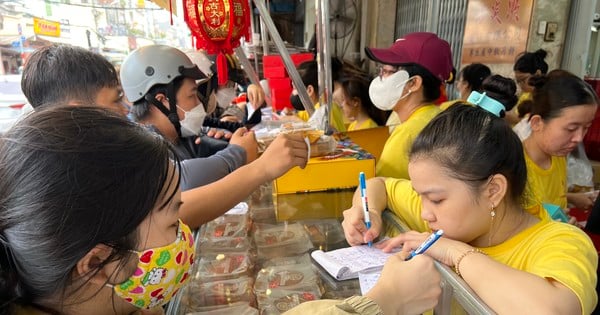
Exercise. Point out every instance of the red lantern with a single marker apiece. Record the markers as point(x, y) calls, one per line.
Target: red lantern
point(217, 26)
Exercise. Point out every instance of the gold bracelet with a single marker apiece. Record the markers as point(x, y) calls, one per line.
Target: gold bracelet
point(460, 258)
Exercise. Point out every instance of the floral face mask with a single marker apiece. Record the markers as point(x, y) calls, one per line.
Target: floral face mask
point(160, 272)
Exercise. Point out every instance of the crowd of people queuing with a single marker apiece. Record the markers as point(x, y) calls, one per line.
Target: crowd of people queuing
point(113, 166)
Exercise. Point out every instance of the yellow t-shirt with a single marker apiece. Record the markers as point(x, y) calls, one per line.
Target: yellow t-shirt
point(445, 105)
point(393, 121)
point(394, 157)
point(337, 117)
point(369, 123)
point(546, 186)
point(525, 96)
point(548, 249)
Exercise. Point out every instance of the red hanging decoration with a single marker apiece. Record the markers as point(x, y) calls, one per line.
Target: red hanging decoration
point(217, 26)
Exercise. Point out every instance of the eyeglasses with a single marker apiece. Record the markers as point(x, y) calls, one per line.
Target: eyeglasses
point(384, 72)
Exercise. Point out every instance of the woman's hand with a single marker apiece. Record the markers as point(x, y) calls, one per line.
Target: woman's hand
point(583, 200)
point(246, 140)
point(285, 152)
point(444, 250)
point(407, 287)
point(256, 96)
point(355, 230)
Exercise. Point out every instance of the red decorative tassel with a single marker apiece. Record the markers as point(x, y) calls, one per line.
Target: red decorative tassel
point(222, 69)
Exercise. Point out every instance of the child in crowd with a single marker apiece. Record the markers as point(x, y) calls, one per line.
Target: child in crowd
point(468, 175)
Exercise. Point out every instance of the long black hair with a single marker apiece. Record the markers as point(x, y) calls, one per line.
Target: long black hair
point(73, 177)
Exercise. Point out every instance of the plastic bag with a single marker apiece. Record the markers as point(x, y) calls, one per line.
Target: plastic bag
point(580, 174)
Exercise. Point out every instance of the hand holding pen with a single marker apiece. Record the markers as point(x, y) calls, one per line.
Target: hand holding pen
point(365, 204)
point(426, 244)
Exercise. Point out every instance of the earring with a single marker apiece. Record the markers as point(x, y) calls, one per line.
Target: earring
point(492, 215)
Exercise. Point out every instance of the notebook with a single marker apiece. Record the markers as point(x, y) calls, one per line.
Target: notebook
point(345, 263)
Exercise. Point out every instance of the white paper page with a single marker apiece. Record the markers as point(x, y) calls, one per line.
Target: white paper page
point(250, 109)
point(367, 279)
point(332, 266)
point(355, 258)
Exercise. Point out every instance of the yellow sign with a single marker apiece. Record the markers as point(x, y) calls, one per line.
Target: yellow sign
point(45, 27)
point(496, 30)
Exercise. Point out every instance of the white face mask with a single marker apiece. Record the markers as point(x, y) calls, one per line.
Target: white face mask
point(386, 92)
point(191, 124)
point(225, 96)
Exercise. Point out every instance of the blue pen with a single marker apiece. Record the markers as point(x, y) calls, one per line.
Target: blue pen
point(428, 242)
point(363, 196)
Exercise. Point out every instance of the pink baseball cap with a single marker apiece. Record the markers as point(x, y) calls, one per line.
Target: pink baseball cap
point(422, 48)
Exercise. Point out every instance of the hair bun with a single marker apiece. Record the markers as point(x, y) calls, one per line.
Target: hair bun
point(537, 81)
point(541, 53)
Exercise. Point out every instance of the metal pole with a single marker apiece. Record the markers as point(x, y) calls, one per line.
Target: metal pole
point(324, 61)
point(285, 56)
point(264, 36)
point(252, 32)
point(239, 52)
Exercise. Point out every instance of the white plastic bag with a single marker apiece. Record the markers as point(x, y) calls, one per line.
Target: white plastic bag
point(580, 174)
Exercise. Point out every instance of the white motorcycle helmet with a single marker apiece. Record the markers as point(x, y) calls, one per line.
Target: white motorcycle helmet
point(155, 64)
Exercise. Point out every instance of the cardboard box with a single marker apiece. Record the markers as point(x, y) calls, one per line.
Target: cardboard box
point(372, 139)
point(336, 171)
point(312, 205)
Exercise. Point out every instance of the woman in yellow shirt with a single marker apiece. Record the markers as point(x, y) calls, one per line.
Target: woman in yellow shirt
point(469, 79)
point(468, 175)
point(357, 106)
point(309, 74)
point(409, 82)
point(562, 111)
point(528, 64)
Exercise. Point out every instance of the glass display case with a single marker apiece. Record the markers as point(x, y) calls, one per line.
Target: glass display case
point(250, 261)
point(255, 259)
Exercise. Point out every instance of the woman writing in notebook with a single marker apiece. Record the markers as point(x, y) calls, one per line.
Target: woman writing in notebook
point(468, 174)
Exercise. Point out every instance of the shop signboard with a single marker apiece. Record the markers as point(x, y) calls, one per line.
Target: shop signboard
point(45, 27)
point(496, 31)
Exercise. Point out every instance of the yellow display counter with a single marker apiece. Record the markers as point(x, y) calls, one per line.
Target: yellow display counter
point(338, 170)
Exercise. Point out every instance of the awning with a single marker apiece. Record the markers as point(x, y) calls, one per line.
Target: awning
point(59, 40)
point(8, 40)
point(165, 5)
point(10, 51)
